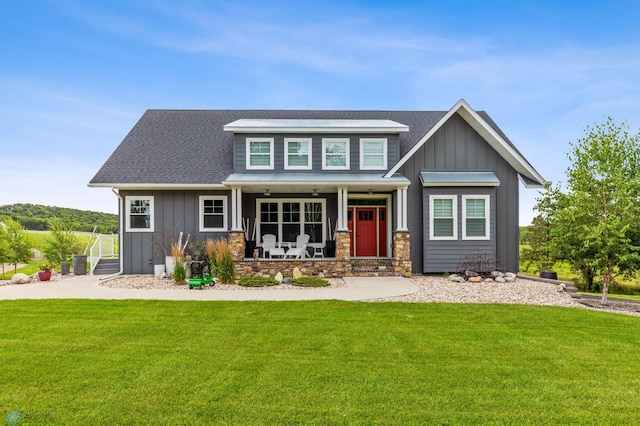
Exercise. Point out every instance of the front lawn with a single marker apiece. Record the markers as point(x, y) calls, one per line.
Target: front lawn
point(325, 362)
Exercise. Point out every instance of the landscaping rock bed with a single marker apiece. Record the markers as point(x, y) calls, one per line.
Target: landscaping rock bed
point(150, 282)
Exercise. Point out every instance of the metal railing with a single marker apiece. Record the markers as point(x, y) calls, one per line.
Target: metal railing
point(105, 247)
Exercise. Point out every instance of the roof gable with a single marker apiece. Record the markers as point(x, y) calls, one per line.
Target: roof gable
point(485, 128)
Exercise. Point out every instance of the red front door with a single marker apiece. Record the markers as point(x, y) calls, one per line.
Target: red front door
point(364, 231)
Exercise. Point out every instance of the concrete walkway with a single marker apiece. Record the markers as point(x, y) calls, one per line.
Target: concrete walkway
point(88, 287)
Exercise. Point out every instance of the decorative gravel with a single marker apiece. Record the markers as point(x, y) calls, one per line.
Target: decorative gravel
point(150, 282)
point(431, 289)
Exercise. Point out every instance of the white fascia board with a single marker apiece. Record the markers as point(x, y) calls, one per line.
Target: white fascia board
point(315, 126)
point(159, 186)
point(491, 136)
point(498, 143)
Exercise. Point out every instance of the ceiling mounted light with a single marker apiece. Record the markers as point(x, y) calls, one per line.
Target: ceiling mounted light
point(266, 192)
point(370, 192)
point(315, 192)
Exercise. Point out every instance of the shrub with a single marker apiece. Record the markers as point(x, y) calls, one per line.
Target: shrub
point(62, 242)
point(179, 272)
point(257, 281)
point(310, 282)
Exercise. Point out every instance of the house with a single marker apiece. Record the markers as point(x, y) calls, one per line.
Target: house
point(415, 191)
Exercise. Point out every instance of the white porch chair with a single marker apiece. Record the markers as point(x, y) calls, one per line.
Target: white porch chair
point(300, 250)
point(269, 245)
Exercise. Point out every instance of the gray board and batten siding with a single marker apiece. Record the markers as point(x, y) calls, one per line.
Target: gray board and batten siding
point(174, 212)
point(458, 147)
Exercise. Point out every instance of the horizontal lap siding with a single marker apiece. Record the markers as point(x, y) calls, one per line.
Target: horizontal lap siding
point(240, 152)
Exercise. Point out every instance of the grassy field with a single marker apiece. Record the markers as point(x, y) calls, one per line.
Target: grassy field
point(159, 362)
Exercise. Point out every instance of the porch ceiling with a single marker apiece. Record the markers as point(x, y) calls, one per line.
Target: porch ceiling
point(308, 182)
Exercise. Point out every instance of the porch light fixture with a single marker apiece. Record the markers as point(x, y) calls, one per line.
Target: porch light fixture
point(315, 192)
point(266, 192)
point(370, 192)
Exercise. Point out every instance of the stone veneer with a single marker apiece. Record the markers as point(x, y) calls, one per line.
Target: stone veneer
point(236, 240)
point(402, 253)
point(340, 266)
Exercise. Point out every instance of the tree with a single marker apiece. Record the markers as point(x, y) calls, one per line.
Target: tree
point(564, 234)
point(62, 242)
point(4, 247)
point(18, 243)
point(597, 217)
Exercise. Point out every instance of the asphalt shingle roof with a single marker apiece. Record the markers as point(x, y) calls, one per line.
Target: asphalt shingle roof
point(191, 147)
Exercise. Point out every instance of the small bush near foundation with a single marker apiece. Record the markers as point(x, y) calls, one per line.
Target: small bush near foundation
point(179, 273)
point(310, 282)
point(257, 281)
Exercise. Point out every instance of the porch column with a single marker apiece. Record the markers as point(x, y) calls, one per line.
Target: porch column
point(401, 209)
point(236, 209)
point(343, 203)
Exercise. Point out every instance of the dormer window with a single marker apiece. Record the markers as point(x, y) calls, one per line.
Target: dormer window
point(297, 152)
point(259, 153)
point(373, 154)
point(335, 154)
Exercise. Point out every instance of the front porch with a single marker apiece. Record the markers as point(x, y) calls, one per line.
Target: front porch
point(342, 265)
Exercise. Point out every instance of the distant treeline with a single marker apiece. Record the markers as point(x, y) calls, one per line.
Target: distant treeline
point(34, 217)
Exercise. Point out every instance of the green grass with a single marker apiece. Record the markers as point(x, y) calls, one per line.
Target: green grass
point(326, 362)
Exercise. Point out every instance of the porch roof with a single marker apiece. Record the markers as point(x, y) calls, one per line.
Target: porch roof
point(459, 179)
point(321, 182)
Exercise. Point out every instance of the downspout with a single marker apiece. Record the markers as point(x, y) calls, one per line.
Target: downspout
point(120, 243)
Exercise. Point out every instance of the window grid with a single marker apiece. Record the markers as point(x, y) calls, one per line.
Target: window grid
point(259, 154)
point(139, 214)
point(298, 154)
point(335, 154)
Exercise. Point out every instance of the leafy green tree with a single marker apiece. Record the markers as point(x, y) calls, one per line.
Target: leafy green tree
point(4, 247)
point(564, 234)
point(18, 243)
point(61, 244)
point(538, 251)
point(597, 217)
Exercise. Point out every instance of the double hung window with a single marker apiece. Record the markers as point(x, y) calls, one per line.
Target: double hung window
point(297, 153)
point(475, 217)
point(443, 217)
point(139, 214)
point(259, 153)
point(335, 154)
point(213, 213)
point(373, 154)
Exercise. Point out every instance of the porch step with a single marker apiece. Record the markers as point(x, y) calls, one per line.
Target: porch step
point(107, 267)
point(381, 267)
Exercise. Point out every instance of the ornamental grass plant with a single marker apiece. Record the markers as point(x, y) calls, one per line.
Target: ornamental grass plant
point(221, 260)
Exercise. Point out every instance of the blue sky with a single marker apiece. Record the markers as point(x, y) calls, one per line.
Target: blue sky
point(75, 76)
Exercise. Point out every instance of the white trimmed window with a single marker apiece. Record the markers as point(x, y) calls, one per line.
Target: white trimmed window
point(297, 154)
point(475, 217)
point(259, 153)
point(442, 217)
point(139, 213)
point(213, 213)
point(373, 154)
point(288, 218)
point(335, 154)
